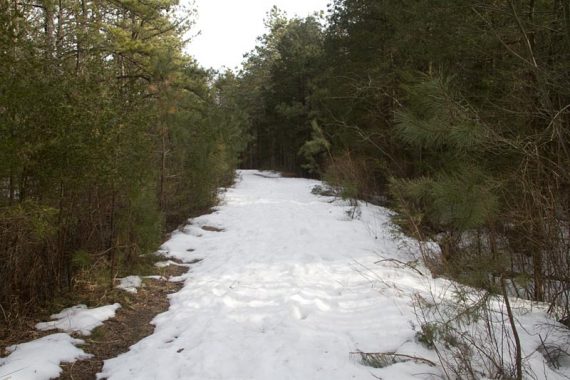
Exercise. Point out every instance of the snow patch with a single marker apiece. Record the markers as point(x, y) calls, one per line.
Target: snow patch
point(79, 319)
point(130, 284)
point(40, 359)
point(164, 264)
point(158, 278)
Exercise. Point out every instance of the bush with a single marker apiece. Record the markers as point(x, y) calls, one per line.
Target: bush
point(28, 260)
point(353, 177)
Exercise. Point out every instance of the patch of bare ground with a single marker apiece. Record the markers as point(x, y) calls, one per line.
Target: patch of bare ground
point(131, 324)
point(20, 330)
point(212, 229)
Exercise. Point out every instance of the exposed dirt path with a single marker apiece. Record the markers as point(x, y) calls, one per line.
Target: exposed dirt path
point(131, 324)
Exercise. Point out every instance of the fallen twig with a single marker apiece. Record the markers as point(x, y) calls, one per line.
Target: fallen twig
point(401, 263)
point(385, 359)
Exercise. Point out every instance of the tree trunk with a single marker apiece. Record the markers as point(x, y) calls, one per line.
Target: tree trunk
point(518, 350)
point(49, 29)
point(161, 196)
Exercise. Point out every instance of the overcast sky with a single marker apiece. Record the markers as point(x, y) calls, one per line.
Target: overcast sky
point(229, 27)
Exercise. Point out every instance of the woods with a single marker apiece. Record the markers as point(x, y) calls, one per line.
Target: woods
point(458, 112)
point(455, 114)
point(110, 136)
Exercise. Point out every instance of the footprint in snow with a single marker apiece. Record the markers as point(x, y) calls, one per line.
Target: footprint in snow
point(299, 313)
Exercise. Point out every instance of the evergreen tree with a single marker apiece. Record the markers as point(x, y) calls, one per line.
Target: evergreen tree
point(278, 75)
point(109, 136)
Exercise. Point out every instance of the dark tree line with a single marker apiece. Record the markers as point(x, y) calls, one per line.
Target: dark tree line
point(109, 137)
point(459, 111)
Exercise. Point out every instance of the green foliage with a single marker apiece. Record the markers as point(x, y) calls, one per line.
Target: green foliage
point(462, 201)
point(459, 110)
point(109, 134)
point(435, 120)
point(315, 150)
point(81, 259)
point(427, 335)
point(275, 87)
point(455, 192)
point(38, 222)
point(139, 225)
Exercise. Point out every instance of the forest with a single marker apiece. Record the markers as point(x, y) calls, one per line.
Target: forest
point(110, 136)
point(455, 114)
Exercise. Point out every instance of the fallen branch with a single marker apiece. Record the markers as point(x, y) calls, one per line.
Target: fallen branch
point(385, 359)
point(401, 263)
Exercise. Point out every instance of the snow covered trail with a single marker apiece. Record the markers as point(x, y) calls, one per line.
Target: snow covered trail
point(287, 290)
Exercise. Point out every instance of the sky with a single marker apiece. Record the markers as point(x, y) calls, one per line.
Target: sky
point(229, 28)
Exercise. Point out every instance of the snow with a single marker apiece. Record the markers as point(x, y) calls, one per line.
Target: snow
point(164, 264)
point(79, 319)
point(39, 359)
point(130, 284)
point(286, 291)
point(158, 278)
point(289, 289)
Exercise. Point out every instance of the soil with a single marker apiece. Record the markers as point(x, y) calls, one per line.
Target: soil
point(131, 324)
point(212, 229)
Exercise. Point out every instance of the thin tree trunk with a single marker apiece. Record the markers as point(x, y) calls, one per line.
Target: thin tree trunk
point(518, 351)
point(111, 242)
point(12, 186)
point(49, 29)
point(162, 168)
point(81, 33)
point(566, 7)
point(59, 34)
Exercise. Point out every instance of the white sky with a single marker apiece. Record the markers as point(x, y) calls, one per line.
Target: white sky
point(229, 27)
